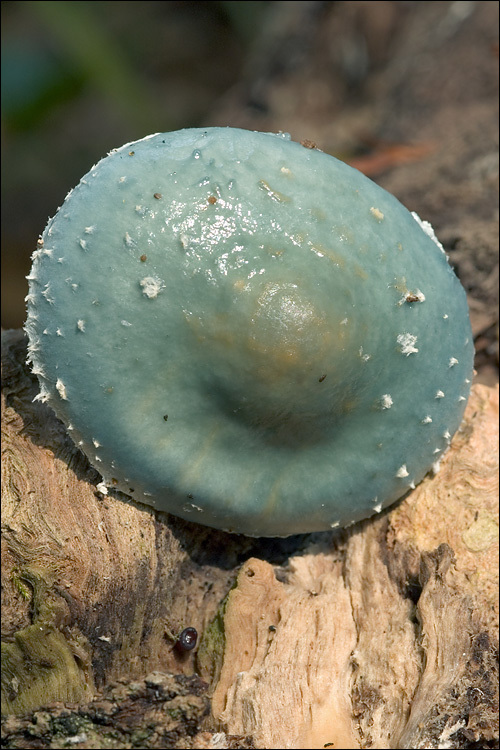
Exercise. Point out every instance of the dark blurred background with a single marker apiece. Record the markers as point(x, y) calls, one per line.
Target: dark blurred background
point(80, 78)
point(405, 91)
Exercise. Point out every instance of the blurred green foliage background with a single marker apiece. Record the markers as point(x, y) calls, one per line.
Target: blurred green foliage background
point(80, 78)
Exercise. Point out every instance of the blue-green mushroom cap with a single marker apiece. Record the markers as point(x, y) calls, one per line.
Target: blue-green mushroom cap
point(248, 333)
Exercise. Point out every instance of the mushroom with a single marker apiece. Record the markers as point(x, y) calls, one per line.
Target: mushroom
point(248, 333)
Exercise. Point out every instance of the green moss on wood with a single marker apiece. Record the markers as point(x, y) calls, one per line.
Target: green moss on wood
point(211, 650)
point(40, 665)
point(39, 668)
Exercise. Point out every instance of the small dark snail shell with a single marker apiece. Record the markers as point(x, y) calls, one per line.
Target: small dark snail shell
point(186, 640)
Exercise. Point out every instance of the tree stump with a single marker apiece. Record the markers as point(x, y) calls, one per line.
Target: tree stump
point(380, 635)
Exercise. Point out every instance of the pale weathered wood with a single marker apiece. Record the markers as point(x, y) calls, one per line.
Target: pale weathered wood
point(380, 638)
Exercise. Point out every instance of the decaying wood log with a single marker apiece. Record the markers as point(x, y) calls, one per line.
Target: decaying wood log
point(381, 635)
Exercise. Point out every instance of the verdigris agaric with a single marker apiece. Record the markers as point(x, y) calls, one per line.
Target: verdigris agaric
point(248, 333)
